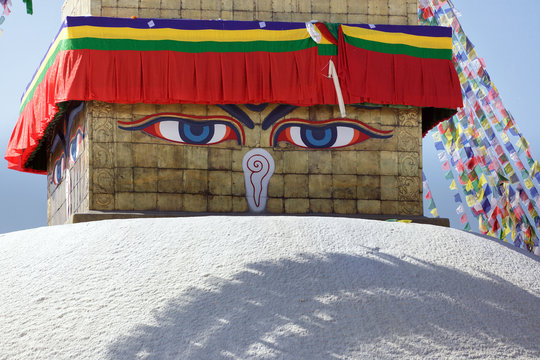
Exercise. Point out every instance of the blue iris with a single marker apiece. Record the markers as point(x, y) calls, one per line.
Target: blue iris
point(194, 133)
point(318, 137)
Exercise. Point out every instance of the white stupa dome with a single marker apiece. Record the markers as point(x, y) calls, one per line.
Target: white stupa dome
point(243, 287)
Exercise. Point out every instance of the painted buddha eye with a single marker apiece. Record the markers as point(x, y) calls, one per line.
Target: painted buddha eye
point(334, 133)
point(186, 129)
point(58, 170)
point(75, 146)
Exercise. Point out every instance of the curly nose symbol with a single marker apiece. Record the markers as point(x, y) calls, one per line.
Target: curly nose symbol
point(258, 167)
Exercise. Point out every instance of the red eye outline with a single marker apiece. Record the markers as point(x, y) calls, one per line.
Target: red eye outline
point(296, 132)
point(152, 125)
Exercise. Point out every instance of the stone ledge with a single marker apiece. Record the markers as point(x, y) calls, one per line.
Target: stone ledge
point(109, 215)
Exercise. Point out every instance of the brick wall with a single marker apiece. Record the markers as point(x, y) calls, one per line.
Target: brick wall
point(395, 12)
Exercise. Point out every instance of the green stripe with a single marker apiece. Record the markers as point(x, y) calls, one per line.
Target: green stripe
point(171, 45)
point(187, 46)
point(399, 49)
point(327, 49)
point(40, 77)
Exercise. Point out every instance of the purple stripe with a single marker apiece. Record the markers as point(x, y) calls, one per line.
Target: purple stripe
point(64, 24)
point(181, 24)
point(418, 30)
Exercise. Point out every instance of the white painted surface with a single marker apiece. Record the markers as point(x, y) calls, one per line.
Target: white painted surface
point(264, 288)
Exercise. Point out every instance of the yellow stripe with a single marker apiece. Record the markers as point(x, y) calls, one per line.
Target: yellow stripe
point(186, 35)
point(61, 36)
point(398, 38)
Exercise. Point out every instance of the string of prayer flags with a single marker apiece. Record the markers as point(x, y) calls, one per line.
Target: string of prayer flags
point(495, 170)
point(431, 203)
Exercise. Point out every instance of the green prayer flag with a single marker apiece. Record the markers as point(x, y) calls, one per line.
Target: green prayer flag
point(448, 175)
point(29, 8)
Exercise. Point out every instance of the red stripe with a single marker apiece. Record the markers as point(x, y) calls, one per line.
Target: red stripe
point(326, 33)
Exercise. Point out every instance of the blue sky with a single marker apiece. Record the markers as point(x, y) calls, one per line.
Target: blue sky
point(504, 34)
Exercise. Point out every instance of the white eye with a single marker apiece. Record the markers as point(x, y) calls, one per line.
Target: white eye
point(296, 136)
point(169, 130)
point(220, 131)
point(344, 136)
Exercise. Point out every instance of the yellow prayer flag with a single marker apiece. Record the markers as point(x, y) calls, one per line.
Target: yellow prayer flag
point(482, 180)
point(469, 186)
point(435, 213)
point(528, 183)
point(453, 185)
point(410, 221)
point(436, 136)
point(470, 200)
point(504, 137)
point(448, 135)
point(480, 194)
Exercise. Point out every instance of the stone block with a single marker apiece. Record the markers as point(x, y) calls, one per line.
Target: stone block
point(378, 7)
point(398, 20)
point(357, 7)
point(220, 204)
point(123, 179)
point(263, 5)
point(196, 157)
point(409, 138)
point(389, 207)
point(295, 186)
point(409, 164)
point(409, 188)
point(264, 15)
point(191, 14)
point(296, 206)
point(301, 17)
point(170, 180)
point(195, 181)
point(145, 201)
point(237, 157)
point(357, 18)
point(103, 180)
point(389, 188)
point(389, 163)
point(169, 202)
point(101, 202)
point(247, 5)
point(123, 156)
point(344, 162)
point(219, 183)
point(344, 186)
point(368, 163)
point(191, 4)
point(278, 156)
point(126, 3)
point(219, 159)
point(338, 18)
point(282, 16)
point(149, 13)
point(412, 19)
point(377, 19)
point(409, 117)
point(210, 5)
point(195, 203)
point(320, 186)
point(275, 186)
point(321, 206)
point(342, 206)
point(295, 162)
point(170, 156)
point(397, 8)
point(319, 162)
point(321, 6)
point(145, 180)
point(238, 186)
point(338, 6)
point(226, 15)
point(144, 155)
point(239, 204)
point(410, 208)
point(241, 15)
point(369, 187)
point(170, 4)
point(369, 206)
